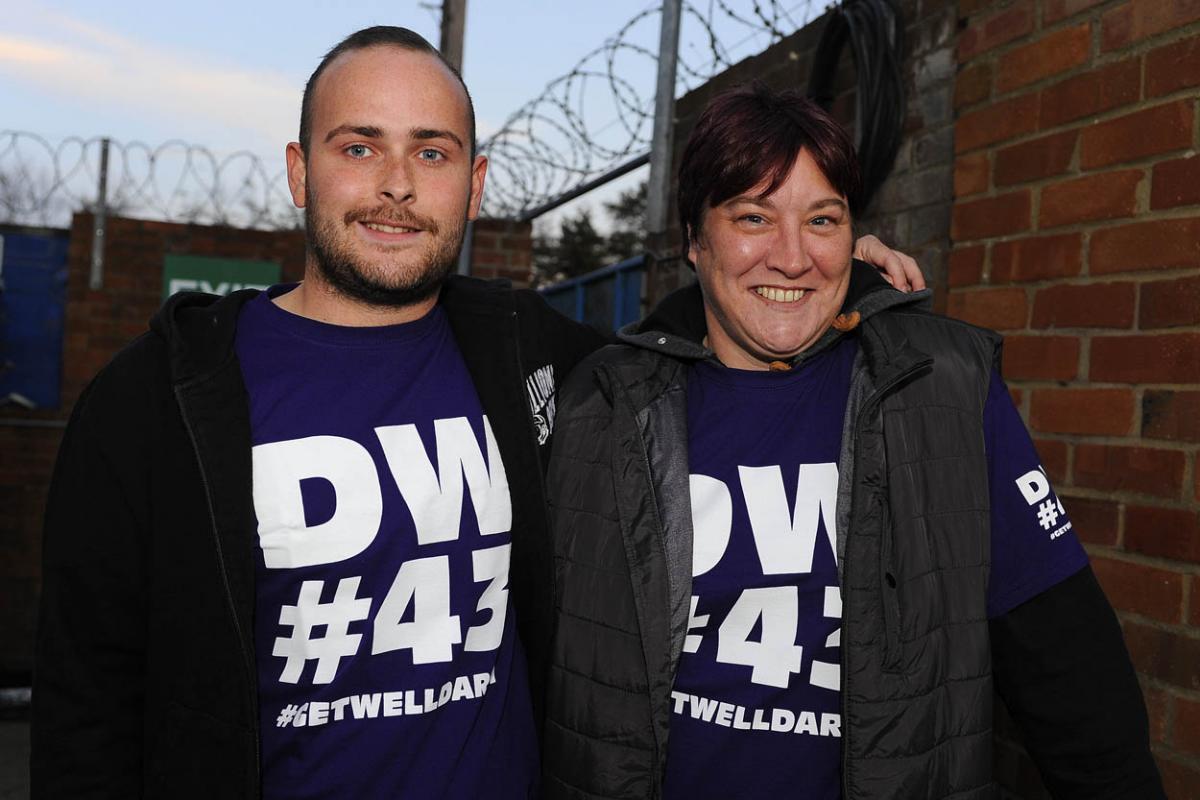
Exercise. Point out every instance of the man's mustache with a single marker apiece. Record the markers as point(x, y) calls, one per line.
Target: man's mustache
point(390, 216)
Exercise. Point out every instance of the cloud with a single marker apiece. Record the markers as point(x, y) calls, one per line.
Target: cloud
point(90, 65)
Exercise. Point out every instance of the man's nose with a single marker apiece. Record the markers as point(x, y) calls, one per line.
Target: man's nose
point(396, 181)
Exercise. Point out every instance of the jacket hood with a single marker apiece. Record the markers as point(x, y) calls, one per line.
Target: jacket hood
point(199, 330)
point(677, 328)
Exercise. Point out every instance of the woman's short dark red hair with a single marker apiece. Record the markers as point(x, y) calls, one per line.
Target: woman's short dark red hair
point(751, 136)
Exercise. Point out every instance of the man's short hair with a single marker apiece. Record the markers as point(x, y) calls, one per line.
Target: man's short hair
point(752, 135)
point(377, 36)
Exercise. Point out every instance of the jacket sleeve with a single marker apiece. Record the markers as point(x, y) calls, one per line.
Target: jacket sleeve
point(1062, 669)
point(87, 729)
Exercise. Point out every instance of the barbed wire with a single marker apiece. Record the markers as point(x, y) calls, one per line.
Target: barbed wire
point(43, 183)
point(599, 115)
point(585, 123)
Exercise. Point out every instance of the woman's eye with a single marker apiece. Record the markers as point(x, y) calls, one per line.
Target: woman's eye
point(754, 219)
point(358, 151)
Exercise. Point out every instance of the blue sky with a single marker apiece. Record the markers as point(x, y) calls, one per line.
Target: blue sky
point(229, 75)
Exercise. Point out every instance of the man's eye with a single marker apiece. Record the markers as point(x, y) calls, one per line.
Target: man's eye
point(429, 154)
point(358, 151)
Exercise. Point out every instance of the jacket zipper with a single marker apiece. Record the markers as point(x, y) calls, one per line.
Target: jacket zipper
point(868, 407)
point(252, 705)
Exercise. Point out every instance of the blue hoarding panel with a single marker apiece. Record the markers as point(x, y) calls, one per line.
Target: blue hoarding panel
point(33, 274)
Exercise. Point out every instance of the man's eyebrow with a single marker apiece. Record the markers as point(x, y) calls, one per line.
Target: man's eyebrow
point(435, 133)
point(365, 131)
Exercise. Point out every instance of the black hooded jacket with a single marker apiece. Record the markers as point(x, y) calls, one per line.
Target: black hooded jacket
point(145, 680)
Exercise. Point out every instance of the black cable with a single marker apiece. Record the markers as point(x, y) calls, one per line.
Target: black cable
point(875, 29)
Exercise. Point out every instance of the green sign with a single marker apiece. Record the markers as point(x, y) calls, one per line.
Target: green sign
point(216, 275)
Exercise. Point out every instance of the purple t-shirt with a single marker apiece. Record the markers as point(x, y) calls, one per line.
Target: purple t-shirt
point(388, 663)
point(756, 706)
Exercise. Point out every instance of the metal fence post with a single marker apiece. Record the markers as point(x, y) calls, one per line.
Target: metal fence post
point(658, 199)
point(100, 220)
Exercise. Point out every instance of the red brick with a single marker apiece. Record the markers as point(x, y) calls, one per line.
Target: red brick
point(1194, 616)
point(1170, 415)
point(1054, 10)
point(1174, 67)
point(1157, 703)
point(1001, 309)
point(1159, 358)
point(966, 266)
point(1054, 53)
point(1096, 521)
point(971, 174)
point(1172, 533)
point(974, 84)
point(1185, 734)
point(1141, 470)
point(1164, 654)
point(991, 216)
point(1143, 133)
point(1041, 358)
point(1037, 258)
point(1180, 781)
point(1099, 412)
point(1053, 456)
point(1170, 303)
point(1092, 92)
point(1176, 183)
point(968, 8)
point(1005, 26)
point(996, 122)
point(1038, 158)
point(1104, 196)
point(1017, 396)
point(1089, 305)
point(1146, 245)
point(1141, 19)
point(1154, 593)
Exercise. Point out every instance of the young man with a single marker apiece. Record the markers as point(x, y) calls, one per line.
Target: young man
point(279, 537)
point(296, 542)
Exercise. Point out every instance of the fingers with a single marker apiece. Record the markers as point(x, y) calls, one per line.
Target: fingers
point(898, 269)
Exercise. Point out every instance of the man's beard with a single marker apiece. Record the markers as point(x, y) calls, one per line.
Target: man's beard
point(388, 285)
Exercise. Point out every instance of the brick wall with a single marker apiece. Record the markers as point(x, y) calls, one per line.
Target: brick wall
point(502, 248)
point(911, 211)
point(1076, 232)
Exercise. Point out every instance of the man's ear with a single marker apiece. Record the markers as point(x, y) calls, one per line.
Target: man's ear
point(297, 173)
point(478, 174)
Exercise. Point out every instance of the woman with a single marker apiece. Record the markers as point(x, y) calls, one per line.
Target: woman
point(801, 530)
